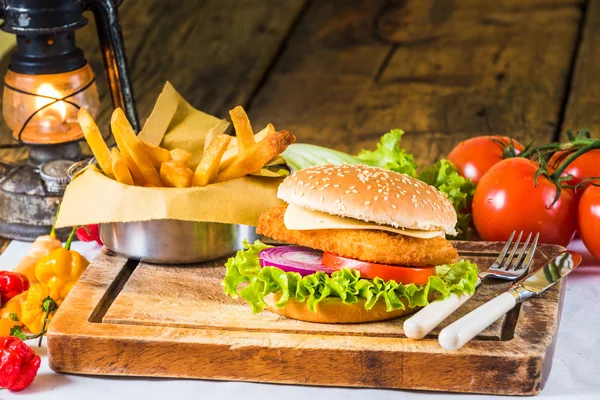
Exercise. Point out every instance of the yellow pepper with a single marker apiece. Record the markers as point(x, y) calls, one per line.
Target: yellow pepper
point(6, 325)
point(61, 269)
point(13, 306)
point(42, 246)
point(33, 310)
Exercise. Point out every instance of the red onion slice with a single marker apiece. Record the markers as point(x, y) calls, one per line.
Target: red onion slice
point(302, 260)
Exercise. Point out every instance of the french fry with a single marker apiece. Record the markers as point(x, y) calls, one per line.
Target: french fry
point(176, 174)
point(232, 151)
point(257, 156)
point(210, 136)
point(208, 169)
point(157, 155)
point(132, 150)
point(94, 139)
point(243, 129)
point(119, 167)
point(180, 155)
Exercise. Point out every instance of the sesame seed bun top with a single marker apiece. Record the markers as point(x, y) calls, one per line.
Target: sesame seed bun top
point(370, 194)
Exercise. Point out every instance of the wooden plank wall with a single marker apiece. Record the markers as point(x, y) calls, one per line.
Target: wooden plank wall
point(441, 70)
point(583, 105)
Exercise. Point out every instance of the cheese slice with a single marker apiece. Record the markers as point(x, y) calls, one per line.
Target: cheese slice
point(302, 219)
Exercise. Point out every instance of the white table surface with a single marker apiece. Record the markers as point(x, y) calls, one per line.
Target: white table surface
point(575, 372)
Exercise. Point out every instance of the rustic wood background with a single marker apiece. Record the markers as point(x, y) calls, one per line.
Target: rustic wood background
point(340, 73)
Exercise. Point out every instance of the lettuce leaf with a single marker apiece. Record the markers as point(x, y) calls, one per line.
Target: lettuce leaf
point(301, 155)
point(443, 175)
point(346, 285)
point(460, 190)
point(390, 155)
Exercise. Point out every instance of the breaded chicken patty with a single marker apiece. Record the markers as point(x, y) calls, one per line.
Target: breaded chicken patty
point(361, 244)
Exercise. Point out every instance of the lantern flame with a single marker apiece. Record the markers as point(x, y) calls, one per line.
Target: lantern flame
point(60, 107)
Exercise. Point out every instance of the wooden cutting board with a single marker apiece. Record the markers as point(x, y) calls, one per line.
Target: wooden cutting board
point(138, 319)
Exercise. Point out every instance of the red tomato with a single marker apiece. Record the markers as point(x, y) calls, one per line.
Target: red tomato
point(475, 156)
point(507, 199)
point(386, 272)
point(589, 219)
point(585, 166)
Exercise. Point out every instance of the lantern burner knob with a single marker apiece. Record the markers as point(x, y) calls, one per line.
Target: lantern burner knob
point(55, 175)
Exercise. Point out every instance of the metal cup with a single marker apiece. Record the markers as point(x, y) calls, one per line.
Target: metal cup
point(168, 241)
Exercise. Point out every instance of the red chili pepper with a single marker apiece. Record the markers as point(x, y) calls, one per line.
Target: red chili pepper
point(12, 284)
point(18, 364)
point(89, 233)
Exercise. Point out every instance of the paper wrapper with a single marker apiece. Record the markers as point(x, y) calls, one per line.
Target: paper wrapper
point(93, 198)
point(186, 128)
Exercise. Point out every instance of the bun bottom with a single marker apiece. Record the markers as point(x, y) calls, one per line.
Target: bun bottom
point(334, 311)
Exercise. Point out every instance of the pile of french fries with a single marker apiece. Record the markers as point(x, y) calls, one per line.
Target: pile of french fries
point(134, 162)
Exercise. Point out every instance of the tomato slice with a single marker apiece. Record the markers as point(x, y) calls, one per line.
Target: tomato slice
point(418, 275)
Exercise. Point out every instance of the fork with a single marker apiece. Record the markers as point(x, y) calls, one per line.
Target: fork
point(505, 267)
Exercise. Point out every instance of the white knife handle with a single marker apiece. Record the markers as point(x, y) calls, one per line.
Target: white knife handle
point(456, 335)
point(423, 322)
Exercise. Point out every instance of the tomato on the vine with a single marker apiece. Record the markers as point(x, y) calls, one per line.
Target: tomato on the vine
point(589, 219)
point(585, 166)
point(509, 199)
point(474, 157)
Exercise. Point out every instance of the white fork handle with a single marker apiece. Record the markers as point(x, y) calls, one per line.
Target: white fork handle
point(423, 322)
point(456, 335)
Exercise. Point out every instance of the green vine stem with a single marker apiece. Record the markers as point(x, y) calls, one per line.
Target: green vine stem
point(53, 230)
point(578, 143)
point(70, 238)
point(593, 144)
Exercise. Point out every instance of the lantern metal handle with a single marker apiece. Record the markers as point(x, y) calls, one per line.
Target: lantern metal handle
point(113, 52)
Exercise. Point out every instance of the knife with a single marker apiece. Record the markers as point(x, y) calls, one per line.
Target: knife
point(457, 334)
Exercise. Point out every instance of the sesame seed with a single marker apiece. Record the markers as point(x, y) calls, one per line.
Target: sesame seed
point(336, 185)
point(397, 196)
point(367, 203)
point(375, 198)
point(393, 206)
point(321, 199)
point(354, 191)
point(385, 198)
